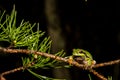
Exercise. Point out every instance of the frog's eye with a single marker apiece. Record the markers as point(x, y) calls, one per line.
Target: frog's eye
point(81, 52)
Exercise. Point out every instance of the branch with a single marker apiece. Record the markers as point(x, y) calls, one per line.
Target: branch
point(10, 71)
point(23, 51)
point(107, 63)
point(97, 74)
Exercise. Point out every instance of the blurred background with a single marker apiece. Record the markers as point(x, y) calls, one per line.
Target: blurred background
point(92, 25)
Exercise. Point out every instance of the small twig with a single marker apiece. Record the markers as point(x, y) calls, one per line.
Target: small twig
point(11, 71)
point(14, 70)
point(11, 45)
point(107, 63)
point(97, 74)
point(2, 78)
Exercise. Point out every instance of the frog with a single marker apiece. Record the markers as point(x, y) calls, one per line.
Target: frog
point(82, 57)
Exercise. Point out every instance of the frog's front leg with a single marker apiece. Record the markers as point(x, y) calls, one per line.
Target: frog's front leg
point(88, 63)
point(70, 60)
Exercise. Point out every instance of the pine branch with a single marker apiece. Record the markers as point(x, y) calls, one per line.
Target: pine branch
point(23, 51)
point(58, 58)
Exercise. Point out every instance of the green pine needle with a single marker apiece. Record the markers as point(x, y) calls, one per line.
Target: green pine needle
point(109, 77)
point(42, 77)
point(89, 76)
point(24, 36)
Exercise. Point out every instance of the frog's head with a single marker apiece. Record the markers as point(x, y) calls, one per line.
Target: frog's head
point(77, 52)
point(82, 53)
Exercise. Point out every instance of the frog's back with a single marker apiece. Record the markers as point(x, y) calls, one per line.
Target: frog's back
point(86, 53)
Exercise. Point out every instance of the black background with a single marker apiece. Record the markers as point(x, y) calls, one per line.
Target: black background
point(94, 25)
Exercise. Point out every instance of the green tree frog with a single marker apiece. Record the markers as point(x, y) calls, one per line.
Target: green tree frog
point(82, 57)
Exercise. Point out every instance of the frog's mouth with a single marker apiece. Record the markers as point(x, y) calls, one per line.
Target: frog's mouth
point(79, 59)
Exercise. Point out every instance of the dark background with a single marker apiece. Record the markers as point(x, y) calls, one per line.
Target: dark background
point(93, 26)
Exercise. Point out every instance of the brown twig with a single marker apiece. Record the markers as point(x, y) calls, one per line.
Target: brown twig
point(107, 63)
point(97, 74)
point(2, 78)
point(11, 71)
